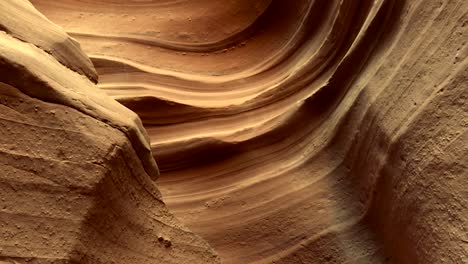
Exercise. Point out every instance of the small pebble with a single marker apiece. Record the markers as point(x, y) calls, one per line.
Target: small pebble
point(167, 243)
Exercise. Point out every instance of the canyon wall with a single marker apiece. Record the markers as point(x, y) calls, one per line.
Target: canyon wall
point(294, 131)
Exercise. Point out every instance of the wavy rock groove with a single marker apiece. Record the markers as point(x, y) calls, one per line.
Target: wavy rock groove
point(295, 131)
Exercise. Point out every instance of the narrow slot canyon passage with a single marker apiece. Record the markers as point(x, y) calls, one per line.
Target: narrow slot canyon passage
point(238, 132)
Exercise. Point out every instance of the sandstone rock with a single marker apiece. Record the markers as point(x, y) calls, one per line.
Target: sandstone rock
point(76, 168)
point(296, 131)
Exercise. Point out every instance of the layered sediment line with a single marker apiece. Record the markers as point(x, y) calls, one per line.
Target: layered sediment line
point(296, 131)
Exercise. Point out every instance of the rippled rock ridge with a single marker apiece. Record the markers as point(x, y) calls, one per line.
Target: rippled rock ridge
point(291, 131)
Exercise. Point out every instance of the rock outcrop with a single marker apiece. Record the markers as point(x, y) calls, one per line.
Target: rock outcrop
point(76, 166)
point(289, 131)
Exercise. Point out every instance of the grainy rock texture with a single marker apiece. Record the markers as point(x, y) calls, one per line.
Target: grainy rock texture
point(75, 165)
point(293, 131)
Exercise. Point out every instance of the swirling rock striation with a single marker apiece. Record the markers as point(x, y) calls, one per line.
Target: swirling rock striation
point(76, 166)
point(296, 131)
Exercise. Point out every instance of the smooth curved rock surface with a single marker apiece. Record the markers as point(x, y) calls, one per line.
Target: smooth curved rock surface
point(296, 131)
point(21, 20)
point(76, 166)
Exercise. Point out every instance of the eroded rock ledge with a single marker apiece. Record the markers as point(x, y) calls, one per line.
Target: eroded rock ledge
point(76, 167)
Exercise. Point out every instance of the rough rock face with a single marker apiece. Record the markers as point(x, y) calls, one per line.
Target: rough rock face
point(76, 166)
point(296, 131)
